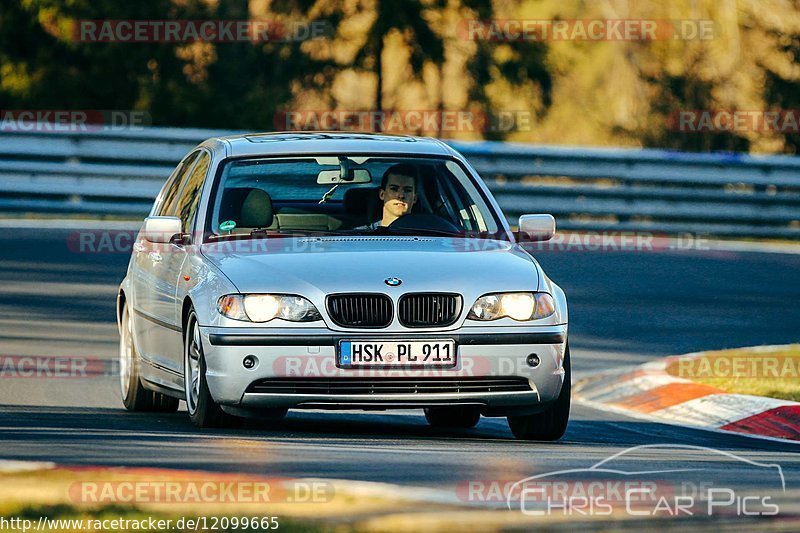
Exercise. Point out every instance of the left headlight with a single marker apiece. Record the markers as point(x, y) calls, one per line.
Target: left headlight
point(266, 307)
point(517, 305)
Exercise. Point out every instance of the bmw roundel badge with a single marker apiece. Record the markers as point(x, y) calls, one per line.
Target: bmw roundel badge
point(393, 282)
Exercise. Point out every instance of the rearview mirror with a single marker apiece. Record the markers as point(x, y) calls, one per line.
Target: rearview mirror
point(331, 177)
point(538, 227)
point(161, 229)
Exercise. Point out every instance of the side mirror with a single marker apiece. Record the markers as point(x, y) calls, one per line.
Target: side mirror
point(538, 227)
point(161, 229)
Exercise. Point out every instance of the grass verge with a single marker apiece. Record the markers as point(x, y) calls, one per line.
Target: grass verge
point(772, 371)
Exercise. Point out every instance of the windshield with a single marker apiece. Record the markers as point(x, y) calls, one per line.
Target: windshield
point(348, 195)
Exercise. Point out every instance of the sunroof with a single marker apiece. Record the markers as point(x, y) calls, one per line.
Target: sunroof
point(302, 136)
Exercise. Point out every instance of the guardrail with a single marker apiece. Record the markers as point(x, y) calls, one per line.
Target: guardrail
point(119, 173)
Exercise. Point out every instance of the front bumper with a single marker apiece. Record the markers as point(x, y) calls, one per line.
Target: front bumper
point(310, 353)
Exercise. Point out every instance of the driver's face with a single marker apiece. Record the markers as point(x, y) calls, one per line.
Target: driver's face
point(399, 195)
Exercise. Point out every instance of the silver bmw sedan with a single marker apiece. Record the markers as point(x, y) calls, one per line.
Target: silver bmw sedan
point(340, 271)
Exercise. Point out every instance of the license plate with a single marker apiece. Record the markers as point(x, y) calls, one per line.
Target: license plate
point(407, 354)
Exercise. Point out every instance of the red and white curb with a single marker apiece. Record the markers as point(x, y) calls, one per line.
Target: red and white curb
point(648, 391)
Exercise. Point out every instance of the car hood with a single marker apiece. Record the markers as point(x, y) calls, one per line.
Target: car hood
point(326, 265)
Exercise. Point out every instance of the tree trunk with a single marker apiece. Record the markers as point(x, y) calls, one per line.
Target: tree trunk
point(440, 104)
point(379, 73)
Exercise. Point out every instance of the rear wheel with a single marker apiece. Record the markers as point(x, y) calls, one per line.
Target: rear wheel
point(134, 396)
point(551, 424)
point(203, 410)
point(452, 417)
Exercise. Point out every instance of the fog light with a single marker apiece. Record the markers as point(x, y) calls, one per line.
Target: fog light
point(533, 360)
point(250, 362)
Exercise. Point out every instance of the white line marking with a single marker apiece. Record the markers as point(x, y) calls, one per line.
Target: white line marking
point(11, 467)
point(612, 389)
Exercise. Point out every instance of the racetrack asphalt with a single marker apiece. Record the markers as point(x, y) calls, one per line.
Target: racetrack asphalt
point(625, 308)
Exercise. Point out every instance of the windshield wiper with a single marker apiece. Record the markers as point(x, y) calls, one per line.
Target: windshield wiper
point(424, 231)
point(302, 232)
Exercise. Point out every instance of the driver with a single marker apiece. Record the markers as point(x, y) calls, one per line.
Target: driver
point(398, 193)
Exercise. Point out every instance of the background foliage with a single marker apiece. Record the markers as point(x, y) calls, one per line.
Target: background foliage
point(409, 55)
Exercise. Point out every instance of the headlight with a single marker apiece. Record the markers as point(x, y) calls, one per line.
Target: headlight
point(266, 307)
point(517, 305)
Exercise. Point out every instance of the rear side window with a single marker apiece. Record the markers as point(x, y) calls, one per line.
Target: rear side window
point(170, 189)
point(169, 201)
point(190, 193)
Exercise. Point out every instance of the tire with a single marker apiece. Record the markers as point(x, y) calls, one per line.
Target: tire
point(452, 417)
point(204, 412)
point(134, 396)
point(549, 425)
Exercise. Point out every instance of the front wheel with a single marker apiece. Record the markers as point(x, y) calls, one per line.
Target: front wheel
point(134, 396)
point(551, 424)
point(204, 412)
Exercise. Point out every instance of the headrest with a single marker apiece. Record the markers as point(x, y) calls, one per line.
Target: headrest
point(231, 206)
point(256, 210)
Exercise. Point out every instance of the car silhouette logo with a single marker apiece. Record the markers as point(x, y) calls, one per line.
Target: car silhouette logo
point(616, 465)
point(393, 282)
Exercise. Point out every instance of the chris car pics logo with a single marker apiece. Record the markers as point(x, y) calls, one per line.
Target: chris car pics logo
point(676, 480)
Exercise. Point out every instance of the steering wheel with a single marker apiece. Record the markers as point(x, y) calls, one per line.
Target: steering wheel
point(423, 221)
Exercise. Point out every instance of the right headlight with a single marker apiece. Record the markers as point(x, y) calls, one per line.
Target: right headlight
point(519, 306)
point(266, 307)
